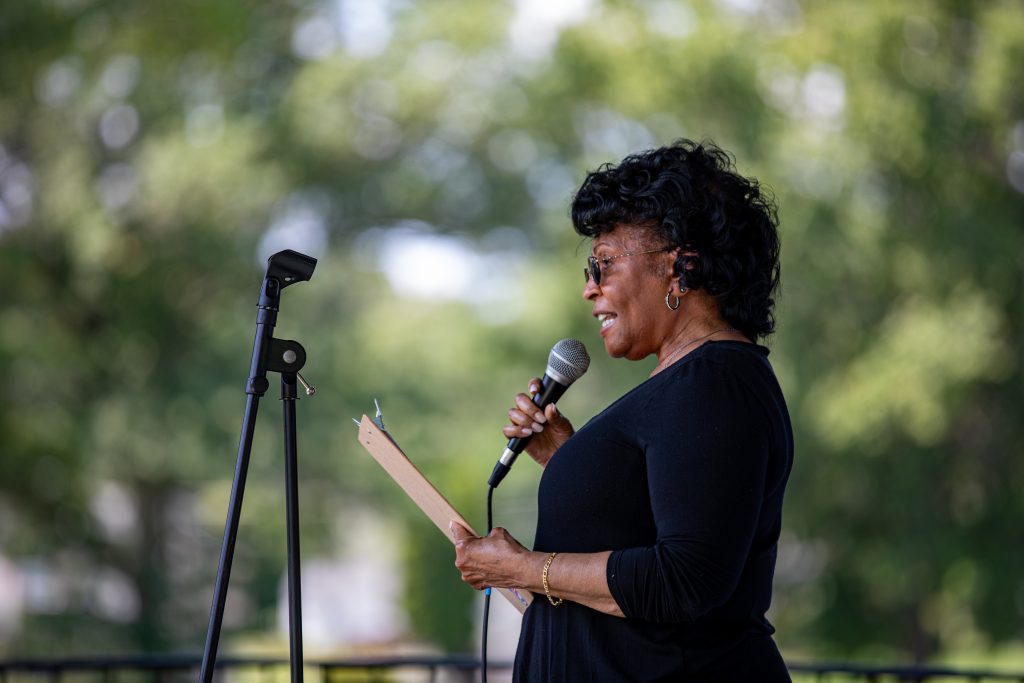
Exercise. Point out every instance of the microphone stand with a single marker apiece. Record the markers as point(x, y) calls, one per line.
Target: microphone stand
point(287, 358)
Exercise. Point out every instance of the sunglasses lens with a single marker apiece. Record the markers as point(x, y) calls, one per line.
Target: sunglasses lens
point(593, 270)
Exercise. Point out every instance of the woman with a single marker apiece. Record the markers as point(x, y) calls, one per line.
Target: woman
point(658, 520)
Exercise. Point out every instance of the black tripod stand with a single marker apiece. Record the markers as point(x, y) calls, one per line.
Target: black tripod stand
point(286, 357)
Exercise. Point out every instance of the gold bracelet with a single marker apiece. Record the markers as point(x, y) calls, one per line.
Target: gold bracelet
point(544, 580)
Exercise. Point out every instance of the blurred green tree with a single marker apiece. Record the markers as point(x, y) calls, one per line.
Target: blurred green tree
point(151, 158)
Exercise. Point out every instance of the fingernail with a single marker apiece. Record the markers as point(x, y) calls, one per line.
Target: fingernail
point(527, 432)
point(539, 417)
point(538, 427)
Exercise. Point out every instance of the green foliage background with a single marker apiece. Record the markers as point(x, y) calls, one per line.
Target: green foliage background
point(146, 149)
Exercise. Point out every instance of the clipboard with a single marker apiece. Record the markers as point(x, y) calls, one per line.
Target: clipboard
point(426, 496)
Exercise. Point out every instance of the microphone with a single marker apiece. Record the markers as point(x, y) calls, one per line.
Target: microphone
point(567, 362)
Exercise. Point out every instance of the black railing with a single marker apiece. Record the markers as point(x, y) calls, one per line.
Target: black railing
point(180, 668)
point(884, 674)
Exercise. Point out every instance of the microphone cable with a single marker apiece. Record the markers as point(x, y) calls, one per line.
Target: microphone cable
point(567, 362)
point(487, 596)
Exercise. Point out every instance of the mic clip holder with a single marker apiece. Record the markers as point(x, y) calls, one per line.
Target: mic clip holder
point(288, 357)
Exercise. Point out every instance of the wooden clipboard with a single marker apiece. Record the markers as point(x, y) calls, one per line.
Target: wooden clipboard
point(434, 505)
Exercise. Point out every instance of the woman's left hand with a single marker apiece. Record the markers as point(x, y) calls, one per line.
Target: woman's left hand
point(495, 560)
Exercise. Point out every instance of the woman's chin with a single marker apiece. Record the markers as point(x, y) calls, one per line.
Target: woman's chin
point(612, 349)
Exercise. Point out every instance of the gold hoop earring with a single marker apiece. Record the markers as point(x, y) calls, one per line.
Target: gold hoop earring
point(670, 306)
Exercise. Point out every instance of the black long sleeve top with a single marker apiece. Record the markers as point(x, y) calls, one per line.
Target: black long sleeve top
point(683, 479)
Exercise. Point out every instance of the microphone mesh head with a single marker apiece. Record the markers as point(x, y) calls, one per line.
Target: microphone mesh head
point(568, 358)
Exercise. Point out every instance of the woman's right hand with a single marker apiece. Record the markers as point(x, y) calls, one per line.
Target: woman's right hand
point(549, 428)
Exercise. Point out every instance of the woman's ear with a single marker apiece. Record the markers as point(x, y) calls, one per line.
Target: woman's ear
point(677, 272)
point(674, 263)
point(683, 265)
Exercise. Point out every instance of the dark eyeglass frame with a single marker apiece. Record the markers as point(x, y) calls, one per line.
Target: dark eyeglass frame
point(593, 268)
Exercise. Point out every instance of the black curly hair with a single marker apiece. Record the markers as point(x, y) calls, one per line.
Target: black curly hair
point(690, 194)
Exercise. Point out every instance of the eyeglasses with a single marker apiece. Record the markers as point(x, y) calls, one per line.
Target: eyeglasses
point(593, 269)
